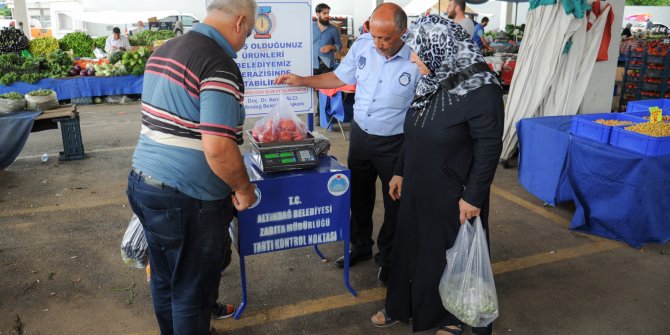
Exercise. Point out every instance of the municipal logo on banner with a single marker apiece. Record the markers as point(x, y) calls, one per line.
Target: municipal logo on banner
point(258, 198)
point(338, 184)
point(405, 79)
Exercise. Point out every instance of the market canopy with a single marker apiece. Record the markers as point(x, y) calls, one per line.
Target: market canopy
point(118, 17)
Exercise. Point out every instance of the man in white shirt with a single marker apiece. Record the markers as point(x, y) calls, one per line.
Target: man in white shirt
point(116, 42)
point(456, 12)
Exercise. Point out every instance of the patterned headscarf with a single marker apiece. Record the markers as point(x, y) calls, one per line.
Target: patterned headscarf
point(447, 50)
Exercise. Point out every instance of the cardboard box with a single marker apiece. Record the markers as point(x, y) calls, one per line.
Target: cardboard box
point(619, 74)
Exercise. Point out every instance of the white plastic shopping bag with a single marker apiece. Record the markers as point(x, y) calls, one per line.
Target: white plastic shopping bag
point(467, 288)
point(134, 246)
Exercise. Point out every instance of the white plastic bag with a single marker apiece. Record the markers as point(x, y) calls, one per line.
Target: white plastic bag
point(467, 288)
point(281, 124)
point(134, 246)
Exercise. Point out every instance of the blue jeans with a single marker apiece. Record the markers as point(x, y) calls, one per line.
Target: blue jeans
point(186, 238)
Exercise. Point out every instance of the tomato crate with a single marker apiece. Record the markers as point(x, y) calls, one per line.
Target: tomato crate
point(640, 143)
point(585, 126)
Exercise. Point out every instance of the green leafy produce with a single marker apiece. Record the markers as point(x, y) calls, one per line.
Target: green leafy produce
point(40, 93)
point(12, 40)
point(12, 96)
point(57, 64)
point(100, 42)
point(110, 70)
point(41, 47)
point(115, 57)
point(135, 61)
point(30, 78)
point(148, 37)
point(81, 44)
point(470, 304)
point(10, 61)
point(9, 78)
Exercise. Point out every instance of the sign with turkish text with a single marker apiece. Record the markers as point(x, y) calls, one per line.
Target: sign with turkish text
point(280, 43)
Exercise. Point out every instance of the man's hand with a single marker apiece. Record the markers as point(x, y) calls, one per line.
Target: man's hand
point(326, 49)
point(467, 211)
point(244, 198)
point(290, 80)
point(395, 188)
point(122, 49)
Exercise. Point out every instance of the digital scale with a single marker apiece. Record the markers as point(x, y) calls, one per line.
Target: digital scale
point(283, 156)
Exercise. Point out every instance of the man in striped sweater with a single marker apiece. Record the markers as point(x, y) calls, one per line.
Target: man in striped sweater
point(187, 171)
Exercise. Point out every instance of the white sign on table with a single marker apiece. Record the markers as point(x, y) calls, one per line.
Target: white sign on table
point(280, 43)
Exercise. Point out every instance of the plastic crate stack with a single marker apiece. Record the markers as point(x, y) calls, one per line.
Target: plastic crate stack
point(646, 75)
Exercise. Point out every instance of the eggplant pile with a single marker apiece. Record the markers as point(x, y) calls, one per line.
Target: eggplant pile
point(79, 71)
point(13, 40)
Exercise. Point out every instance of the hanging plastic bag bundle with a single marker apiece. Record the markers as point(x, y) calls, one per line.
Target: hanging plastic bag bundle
point(467, 288)
point(134, 247)
point(280, 125)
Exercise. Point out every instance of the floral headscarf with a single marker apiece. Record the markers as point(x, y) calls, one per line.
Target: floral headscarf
point(452, 57)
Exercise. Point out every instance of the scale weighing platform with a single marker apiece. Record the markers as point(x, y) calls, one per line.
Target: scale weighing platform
point(284, 156)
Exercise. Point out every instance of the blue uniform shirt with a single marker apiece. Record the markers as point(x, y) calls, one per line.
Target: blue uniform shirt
point(330, 36)
point(384, 87)
point(477, 35)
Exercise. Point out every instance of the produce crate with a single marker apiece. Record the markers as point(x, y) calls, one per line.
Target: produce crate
point(585, 126)
point(647, 145)
point(645, 115)
point(644, 105)
point(73, 147)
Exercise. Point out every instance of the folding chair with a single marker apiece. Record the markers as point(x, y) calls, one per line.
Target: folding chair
point(334, 108)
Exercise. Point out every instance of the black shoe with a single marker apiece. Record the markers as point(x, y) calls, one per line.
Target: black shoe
point(383, 275)
point(354, 257)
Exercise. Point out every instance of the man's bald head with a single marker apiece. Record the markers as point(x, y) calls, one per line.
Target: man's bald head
point(390, 13)
point(387, 24)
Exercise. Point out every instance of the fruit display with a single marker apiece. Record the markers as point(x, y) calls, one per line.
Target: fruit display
point(613, 122)
point(12, 40)
point(651, 129)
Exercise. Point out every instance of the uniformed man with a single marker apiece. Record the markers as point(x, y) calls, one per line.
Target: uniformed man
point(379, 64)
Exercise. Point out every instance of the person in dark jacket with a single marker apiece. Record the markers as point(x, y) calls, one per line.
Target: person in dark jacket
point(453, 139)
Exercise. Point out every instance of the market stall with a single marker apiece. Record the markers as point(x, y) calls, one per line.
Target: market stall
point(80, 87)
point(75, 66)
point(617, 178)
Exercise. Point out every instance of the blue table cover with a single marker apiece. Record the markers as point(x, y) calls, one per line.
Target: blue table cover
point(79, 87)
point(14, 131)
point(543, 149)
point(619, 194)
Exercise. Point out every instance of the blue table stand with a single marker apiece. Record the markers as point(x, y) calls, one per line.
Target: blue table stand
point(295, 209)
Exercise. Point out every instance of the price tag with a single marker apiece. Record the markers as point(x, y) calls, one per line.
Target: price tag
point(655, 115)
point(666, 41)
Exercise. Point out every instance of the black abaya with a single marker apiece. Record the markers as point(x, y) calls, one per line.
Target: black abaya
point(451, 152)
